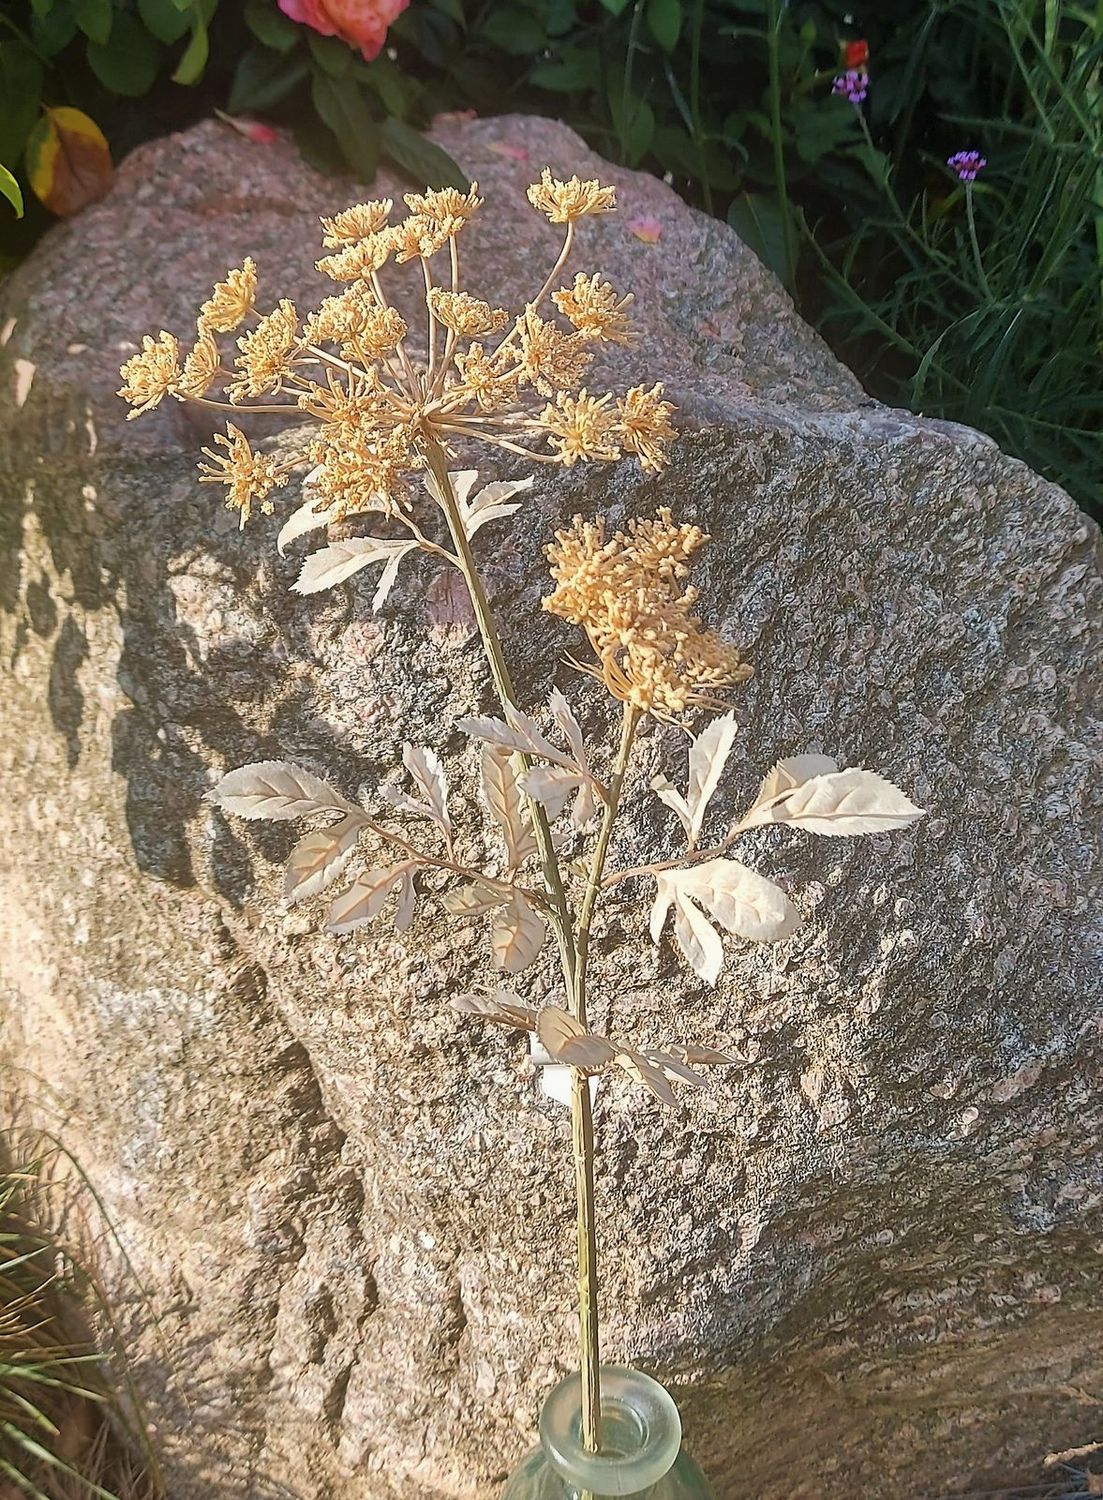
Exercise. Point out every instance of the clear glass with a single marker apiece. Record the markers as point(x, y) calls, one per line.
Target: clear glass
point(641, 1446)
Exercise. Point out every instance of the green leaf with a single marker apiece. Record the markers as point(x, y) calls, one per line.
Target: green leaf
point(9, 189)
point(387, 82)
point(318, 145)
point(164, 19)
point(343, 107)
point(128, 62)
point(189, 69)
point(263, 79)
point(94, 18)
point(21, 79)
point(615, 7)
point(53, 31)
point(634, 122)
point(575, 69)
point(757, 220)
point(452, 8)
point(332, 56)
point(271, 26)
point(664, 21)
point(514, 31)
point(427, 165)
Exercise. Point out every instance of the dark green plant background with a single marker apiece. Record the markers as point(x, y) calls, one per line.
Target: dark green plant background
point(982, 305)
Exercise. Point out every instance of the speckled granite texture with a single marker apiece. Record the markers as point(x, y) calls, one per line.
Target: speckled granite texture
point(871, 1264)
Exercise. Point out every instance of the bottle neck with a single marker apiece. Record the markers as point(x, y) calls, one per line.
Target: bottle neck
point(641, 1434)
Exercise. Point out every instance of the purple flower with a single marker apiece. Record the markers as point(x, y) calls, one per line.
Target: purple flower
point(853, 85)
point(967, 164)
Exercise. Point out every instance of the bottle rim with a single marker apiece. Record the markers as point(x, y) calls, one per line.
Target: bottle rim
point(638, 1409)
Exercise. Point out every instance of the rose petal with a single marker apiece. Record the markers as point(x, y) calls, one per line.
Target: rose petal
point(646, 228)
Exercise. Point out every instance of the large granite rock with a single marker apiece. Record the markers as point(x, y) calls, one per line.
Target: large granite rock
point(873, 1265)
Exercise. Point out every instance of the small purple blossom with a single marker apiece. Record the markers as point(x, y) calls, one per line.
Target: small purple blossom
point(852, 85)
point(967, 164)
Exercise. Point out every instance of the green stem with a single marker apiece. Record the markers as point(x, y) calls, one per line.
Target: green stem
point(987, 290)
point(773, 36)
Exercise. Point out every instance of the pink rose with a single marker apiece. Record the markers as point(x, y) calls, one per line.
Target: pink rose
point(360, 23)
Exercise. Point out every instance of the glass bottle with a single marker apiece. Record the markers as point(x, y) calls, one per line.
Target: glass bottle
point(641, 1446)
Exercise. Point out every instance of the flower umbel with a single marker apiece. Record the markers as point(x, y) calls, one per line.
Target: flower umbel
point(152, 374)
point(248, 476)
point(630, 596)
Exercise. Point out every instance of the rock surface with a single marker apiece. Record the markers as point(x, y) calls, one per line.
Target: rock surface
point(873, 1265)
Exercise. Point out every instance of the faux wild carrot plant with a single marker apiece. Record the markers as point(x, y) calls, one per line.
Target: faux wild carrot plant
point(389, 405)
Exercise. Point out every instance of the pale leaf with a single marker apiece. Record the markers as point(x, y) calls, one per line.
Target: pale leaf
point(517, 934)
point(637, 1066)
point(741, 901)
point(698, 939)
point(407, 898)
point(308, 517)
point(365, 897)
point(333, 564)
point(318, 858)
point(503, 1006)
point(276, 789)
point(844, 803)
point(664, 899)
point(673, 1067)
point(672, 798)
point(489, 504)
point(565, 1038)
point(389, 574)
point(700, 1057)
point(472, 900)
point(424, 766)
point(551, 786)
point(708, 756)
point(503, 797)
point(516, 732)
point(587, 802)
point(462, 481)
point(790, 773)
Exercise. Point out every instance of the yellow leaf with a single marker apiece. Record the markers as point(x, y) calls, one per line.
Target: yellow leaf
point(68, 161)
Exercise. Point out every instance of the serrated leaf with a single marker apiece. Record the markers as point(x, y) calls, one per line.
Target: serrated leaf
point(708, 756)
point(671, 797)
point(516, 732)
point(318, 858)
point(565, 1038)
point(424, 766)
point(305, 518)
point(490, 504)
point(736, 898)
point(840, 804)
point(517, 934)
point(473, 900)
point(673, 1067)
point(587, 802)
point(505, 1007)
point(424, 163)
point(551, 786)
point(276, 789)
point(333, 564)
point(366, 897)
point(501, 790)
point(407, 899)
point(790, 773)
point(637, 1066)
point(68, 162)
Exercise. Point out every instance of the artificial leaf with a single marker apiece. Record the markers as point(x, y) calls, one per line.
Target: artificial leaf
point(424, 766)
point(473, 900)
point(516, 732)
point(517, 934)
point(790, 773)
point(68, 163)
point(637, 1066)
point(565, 1038)
point(736, 898)
point(407, 898)
point(307, 517)
point(503, 1006)
point(708, 756)
point(699, 1056)
point(588, 798)
point(276, 789)
point(672, 798)
point(490, 504)
point(9, 189)
point(503, 797)
point(673, 1067)
point(366, 897)
point(841, 803)
point(318, 858)
point(551, 786)
point(333, 564)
